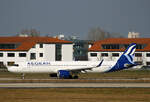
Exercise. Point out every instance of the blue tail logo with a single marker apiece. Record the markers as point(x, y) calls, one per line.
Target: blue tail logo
point(126, 59)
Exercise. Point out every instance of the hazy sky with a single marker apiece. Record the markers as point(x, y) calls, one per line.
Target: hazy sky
point(74, 16)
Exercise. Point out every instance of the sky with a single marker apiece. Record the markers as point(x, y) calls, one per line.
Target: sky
point(74, 17)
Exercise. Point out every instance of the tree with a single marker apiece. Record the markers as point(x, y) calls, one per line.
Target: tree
point(99, 34)
point(116, 35)
point(34, 32)
point(30, 32)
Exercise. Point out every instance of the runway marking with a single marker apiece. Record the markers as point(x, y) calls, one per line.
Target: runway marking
point(13, 79)
point(74, 85)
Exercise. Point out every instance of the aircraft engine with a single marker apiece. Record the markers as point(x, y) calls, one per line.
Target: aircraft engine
point(64, 74)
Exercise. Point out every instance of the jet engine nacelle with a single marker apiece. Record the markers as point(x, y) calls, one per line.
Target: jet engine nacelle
point(64, 74)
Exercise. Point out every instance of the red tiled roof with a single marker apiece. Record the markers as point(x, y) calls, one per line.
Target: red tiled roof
point(98, 44)
point(28, 42)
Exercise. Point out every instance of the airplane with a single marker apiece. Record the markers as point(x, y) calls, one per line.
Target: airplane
point(71, 69)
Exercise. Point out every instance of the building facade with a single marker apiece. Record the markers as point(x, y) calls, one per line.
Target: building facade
point(112, 49)
point(81, 49)
point(16, 49)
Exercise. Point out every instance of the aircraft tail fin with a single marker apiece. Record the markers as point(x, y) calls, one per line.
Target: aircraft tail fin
point(126, 59)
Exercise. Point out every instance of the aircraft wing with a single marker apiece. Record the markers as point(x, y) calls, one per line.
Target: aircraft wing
point(86, 68)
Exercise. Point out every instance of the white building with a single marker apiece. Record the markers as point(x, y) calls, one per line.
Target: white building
point(112, 49)
point(61, 36)
point(133, 35)
point(14, 49)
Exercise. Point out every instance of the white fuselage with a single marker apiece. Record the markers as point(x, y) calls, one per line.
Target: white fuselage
point(54, 67)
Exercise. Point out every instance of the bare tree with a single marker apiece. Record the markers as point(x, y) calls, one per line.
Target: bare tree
point(34, 32)
point(25, 31)
point(30, 32)
point(116, 35)
point(99, 34)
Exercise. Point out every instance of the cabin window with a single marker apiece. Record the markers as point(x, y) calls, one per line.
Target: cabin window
point(104, 54)
point(115, 54)
point(93, 54)
point(22, 54)
point(138, 54)
point(11, 54)
point(1, 54)
point(41, 54)
point(33, 56)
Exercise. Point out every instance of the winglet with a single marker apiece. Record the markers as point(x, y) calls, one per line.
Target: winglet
point(100, 63)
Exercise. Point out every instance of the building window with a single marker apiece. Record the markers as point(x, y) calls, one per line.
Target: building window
point(41, 54)
point(104, 54)
point(1, 54)
point(2, 65)
point(41, 45)
point(10, 55)
point(9, 46)
point(126, 46)
point(138, 62)
point(115, 54)
point(33, 56)
point(93, 54)
point(10, 63)
point(22, 54)
point(33, 46)
point(138, 54)
point(140, 46)
point(110, 46)
point(147, 54)
point(148, 63)
point(58, 49)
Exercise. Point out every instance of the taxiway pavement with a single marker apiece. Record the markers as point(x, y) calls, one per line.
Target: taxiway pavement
point(74, 85)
